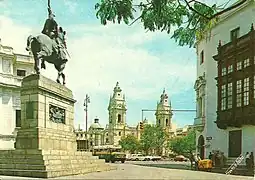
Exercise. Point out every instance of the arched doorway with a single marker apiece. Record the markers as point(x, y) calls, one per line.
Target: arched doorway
point(201, 146)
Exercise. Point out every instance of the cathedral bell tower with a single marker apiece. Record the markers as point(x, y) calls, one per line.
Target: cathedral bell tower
point(164, 113)
point(117, 115)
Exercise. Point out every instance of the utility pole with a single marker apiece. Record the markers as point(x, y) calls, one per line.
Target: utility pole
point(86, 101)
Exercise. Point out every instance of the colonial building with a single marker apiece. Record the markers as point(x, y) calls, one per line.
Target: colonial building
point(13, 67)
point(116, 128)
point(235, 83)
point(225, 119)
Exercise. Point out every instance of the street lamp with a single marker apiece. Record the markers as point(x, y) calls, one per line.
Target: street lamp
point(85, 104)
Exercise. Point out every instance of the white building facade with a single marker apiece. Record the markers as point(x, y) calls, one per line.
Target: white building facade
point(208, 136)
point(13, 67)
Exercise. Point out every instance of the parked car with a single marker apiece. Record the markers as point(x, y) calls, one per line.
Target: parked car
point(152, 158)
point(116, 156)
point(180, 158)
point(137, 157)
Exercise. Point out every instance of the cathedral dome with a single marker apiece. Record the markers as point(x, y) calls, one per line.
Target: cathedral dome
point(96, 125)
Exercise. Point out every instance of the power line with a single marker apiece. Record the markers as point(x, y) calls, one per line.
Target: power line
point(178, 110)
point(182, 110)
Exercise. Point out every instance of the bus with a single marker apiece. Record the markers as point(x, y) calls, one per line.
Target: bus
point(109, 153)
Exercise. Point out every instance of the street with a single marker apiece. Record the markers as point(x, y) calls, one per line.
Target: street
point(138, 170)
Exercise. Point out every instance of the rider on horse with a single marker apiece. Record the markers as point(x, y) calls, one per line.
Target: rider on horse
point(51, 30)
point(50, 26)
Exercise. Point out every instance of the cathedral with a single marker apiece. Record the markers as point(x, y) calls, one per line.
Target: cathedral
point(117, 127)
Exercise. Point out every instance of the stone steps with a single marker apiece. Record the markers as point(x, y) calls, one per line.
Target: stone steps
point(55, 173)
point(60, 163)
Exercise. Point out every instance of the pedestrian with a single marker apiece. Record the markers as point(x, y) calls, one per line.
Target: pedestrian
point(213, 158)
point(247, 158)
point(210, 156)
point(251, 160)
point(191, 158)
point(196, 158)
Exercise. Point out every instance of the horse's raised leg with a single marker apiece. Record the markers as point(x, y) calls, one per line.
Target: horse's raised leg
point(43, 64)
point(36, 65)
point(64, 78)
point(58, 81)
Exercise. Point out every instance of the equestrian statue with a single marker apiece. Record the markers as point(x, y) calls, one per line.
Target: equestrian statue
point(50, 46)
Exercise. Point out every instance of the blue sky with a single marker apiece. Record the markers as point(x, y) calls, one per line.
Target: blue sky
point(143, 63)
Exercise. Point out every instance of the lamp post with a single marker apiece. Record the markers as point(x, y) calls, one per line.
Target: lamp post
point(86, 101)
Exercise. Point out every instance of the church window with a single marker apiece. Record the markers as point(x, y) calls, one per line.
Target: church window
point(118, 94)
point(167, 122)
point(119, 118)
point(159, 121)
point(119, 133)
point(107, 140)
point(165, 100)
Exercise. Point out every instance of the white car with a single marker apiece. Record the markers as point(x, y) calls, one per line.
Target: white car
point(152, 158)
point(137, 157)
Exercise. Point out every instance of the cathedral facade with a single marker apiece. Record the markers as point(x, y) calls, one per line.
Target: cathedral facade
point(117, 127)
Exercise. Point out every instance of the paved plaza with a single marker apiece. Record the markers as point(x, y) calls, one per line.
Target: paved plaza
point(132, 171)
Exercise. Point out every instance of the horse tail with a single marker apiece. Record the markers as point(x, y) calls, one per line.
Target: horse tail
point(29, 40)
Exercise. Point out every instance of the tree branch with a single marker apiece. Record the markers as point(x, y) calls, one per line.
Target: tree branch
point(194, 10)
point(228, 9)
point(135, 20)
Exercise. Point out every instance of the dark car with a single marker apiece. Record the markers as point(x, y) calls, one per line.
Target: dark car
point(115, 156)
point(180, 158)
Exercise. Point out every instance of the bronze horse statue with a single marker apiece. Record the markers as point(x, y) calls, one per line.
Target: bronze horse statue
point(46, 49)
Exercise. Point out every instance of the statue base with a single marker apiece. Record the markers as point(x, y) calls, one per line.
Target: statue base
point(46, 142)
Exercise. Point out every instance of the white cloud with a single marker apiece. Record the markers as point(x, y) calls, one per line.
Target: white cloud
point(102, 55)
point(71, 5)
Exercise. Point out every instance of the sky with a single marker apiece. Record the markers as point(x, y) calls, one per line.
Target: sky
point(144, 63)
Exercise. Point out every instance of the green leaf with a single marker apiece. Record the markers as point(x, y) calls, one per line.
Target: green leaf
point(162, 15)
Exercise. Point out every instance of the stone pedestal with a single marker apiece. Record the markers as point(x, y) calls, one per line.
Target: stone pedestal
point(46, 142)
